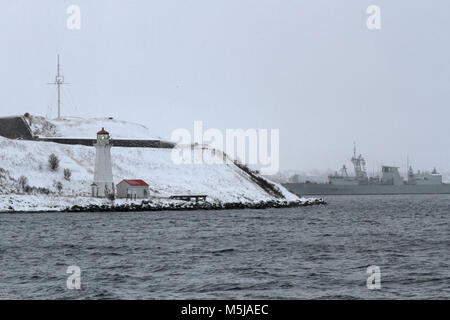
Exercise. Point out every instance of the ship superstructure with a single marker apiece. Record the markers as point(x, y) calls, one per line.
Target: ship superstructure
point(390, 181)
point(390, 175)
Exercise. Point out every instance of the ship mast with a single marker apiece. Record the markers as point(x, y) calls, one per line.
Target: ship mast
point(59, 80)
point(359, 163)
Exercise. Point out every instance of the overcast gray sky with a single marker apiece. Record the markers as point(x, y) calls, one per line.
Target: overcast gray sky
point(310, 68)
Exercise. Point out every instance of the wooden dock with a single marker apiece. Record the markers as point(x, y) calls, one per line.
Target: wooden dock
point(189, 197)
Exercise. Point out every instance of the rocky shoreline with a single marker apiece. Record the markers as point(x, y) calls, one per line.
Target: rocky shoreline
point(152, 206)
point(23, 203)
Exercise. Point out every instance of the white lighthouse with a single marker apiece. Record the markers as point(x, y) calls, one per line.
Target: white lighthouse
point(103, 179)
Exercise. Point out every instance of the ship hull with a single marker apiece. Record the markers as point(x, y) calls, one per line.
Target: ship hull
point(330, 189)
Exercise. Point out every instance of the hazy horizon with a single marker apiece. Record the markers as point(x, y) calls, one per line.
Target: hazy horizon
point(310, 68)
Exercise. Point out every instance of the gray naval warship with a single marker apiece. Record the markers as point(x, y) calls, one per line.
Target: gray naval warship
point(390, 182)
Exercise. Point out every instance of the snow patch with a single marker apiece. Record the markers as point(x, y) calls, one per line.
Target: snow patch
point(72, 127)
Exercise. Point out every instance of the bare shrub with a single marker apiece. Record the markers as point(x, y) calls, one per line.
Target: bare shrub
point(53, 162)
point(111, 196)
point(67, 174)
point(43, 190)
point(58, 185)
point(23, 183)
point(2, 173)
point(28, 189)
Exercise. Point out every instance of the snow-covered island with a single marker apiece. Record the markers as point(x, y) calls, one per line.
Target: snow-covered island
point(29, 184)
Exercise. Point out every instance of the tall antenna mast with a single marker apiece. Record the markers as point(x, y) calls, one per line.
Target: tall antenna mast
point(59, 80)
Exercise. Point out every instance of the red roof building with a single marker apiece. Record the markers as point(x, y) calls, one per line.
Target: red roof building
point(136, 182)
point(133, 189)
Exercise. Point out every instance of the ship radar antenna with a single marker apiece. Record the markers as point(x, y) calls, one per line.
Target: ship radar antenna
point(59, 80)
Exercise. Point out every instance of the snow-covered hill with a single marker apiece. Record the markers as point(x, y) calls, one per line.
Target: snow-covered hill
point(29, 159)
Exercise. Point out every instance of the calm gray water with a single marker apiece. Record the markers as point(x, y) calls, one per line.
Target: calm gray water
point(310, 252)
